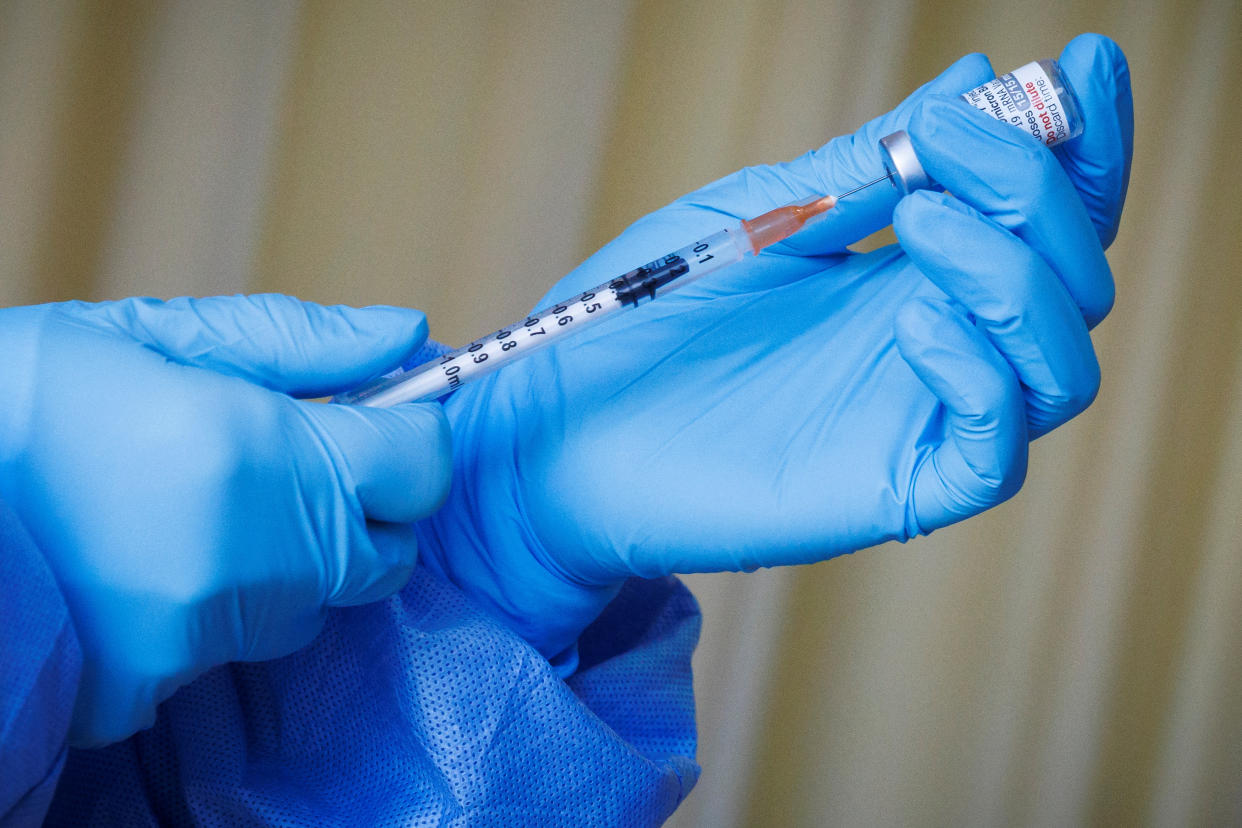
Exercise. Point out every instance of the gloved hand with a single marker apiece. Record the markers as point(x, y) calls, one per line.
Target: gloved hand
point(811, 401)
point(191, 515)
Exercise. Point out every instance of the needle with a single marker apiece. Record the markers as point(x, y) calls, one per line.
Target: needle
point(884, 177)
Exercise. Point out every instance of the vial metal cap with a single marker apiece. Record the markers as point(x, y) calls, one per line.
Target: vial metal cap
point(902, 164)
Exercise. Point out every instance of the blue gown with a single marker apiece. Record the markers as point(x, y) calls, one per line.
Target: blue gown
point(418, 710)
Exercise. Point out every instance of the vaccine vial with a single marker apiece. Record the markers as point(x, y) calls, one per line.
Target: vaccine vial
point(1035, 98)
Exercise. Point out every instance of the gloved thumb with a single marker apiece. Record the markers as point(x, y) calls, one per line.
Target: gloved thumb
point(276, 341)
point(837, 167)
point(393, 467)
point(853, 160)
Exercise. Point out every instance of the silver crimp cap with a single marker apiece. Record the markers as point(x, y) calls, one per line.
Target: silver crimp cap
point(901, 163)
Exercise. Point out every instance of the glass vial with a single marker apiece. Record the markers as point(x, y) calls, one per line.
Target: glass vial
point(1035, 98)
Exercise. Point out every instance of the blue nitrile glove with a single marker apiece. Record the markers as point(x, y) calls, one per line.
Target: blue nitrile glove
point(191, 515)
point(811, 401)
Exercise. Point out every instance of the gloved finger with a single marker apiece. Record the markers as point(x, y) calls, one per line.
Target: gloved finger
point(392, 550)
point(397, 462)
point(276, 341)
point(1098, 161)
point(1015, 298)
point(1020, 184)
point(394, 467)
point(982, 458)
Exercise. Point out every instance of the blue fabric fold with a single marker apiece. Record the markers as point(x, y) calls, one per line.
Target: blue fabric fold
point(419, 710)
point(40, 662)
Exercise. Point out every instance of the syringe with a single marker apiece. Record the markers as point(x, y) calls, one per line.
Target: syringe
point(1036, 98)
point(554, 323)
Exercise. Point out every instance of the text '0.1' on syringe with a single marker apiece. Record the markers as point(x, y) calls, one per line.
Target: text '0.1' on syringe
point(554, 323)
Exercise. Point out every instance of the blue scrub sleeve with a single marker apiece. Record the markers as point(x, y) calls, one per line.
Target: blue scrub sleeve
point(418, 710)
point(39, 666)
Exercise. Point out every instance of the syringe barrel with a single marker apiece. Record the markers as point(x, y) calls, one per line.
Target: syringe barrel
point(1036, 98)
point(551, 324)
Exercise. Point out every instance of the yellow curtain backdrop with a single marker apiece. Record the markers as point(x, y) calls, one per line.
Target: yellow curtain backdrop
point(1071, 657)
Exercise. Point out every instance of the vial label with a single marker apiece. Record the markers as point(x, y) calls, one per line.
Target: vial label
point(1026, 98)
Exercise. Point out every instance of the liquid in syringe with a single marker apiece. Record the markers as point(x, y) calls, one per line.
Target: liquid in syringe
point(556, 322)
